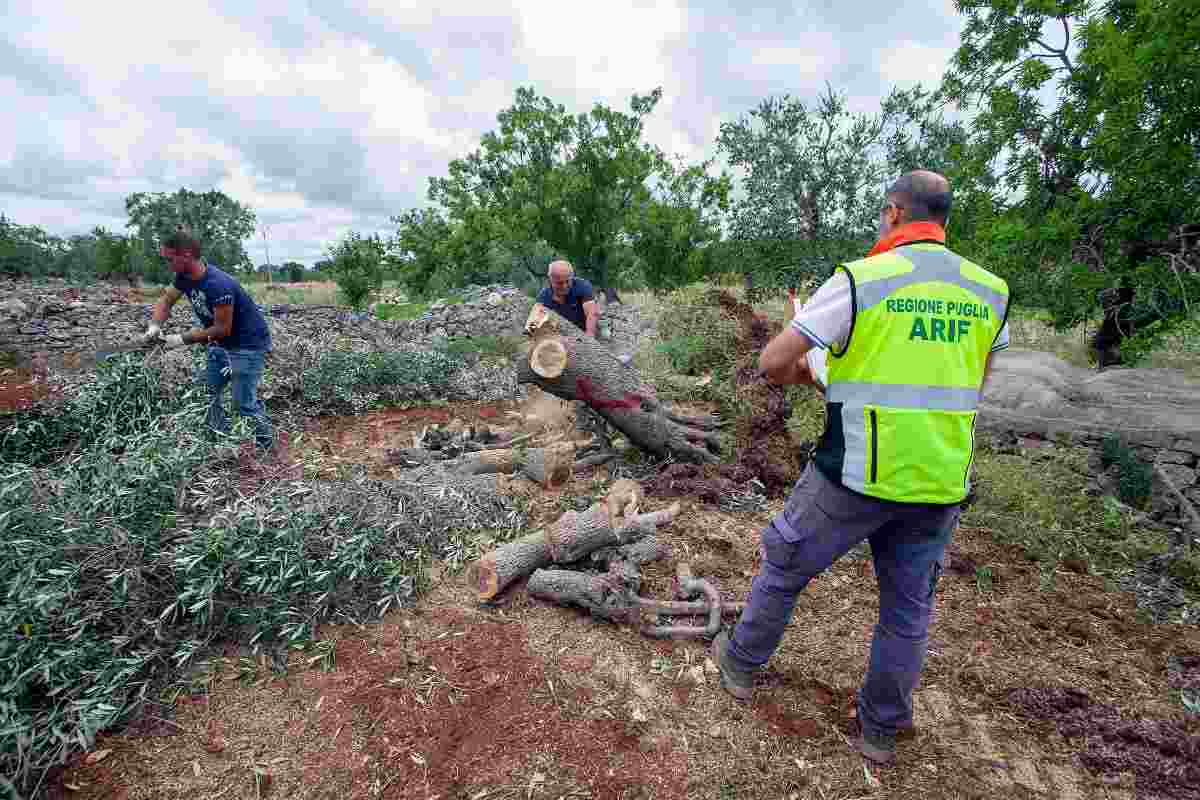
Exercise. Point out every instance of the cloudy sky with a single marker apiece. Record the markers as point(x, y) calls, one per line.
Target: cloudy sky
point(329, 116)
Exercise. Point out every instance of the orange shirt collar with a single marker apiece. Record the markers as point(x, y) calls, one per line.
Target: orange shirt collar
point(909, 233)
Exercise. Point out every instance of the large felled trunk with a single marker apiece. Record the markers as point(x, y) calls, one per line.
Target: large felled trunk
point(570, 364)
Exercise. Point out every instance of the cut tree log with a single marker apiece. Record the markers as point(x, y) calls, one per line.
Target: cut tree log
point(614, 596)
point(564, 361)
point(613, 521)
point(606, 596)
point(543, 465)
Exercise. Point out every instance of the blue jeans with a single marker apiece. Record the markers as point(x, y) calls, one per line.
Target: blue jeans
point(242, 370)
point(820, 523)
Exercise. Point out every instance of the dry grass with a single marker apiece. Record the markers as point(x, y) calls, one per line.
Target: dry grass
point(310, 293)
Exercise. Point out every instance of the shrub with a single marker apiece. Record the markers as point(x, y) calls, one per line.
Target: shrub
point(350, 382)
point(1135, 478)
point(710, 341)
point(502, 347)
point(358, 267)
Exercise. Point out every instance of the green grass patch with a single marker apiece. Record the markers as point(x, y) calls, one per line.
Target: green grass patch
point(400, 311)
point(1036, 502)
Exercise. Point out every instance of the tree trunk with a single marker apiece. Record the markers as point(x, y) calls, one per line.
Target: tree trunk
point(570, 364)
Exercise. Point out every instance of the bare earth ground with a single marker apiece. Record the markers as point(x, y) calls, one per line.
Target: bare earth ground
point(453, 700)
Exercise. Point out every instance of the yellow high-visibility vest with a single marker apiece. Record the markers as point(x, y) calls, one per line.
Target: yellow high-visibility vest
point(904, 389)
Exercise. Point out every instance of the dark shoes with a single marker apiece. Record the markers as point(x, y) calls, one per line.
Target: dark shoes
point(736, 681)
point(879, 748)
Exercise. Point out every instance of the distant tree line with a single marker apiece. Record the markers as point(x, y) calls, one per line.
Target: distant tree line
point(1085, 202)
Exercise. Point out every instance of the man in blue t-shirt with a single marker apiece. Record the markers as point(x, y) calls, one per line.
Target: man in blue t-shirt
point(571, 297)
point(232, 327)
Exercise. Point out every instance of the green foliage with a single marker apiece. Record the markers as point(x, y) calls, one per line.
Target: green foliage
point(219, 222)
point(27, 249)
point(420, 248)
point(1098, 181)
point(1135, 479)
point(814, 177)
point(358, 266)
point(120, 402)
point(294, 270)
point(132, 551)
point(710, 340)
point(79, 566)
point(671, 234)
point(497, 347)
point(348, 382)
point(1036, 501)
point(548, 183)
point(400, 311)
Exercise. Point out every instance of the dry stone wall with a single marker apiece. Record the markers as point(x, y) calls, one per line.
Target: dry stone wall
point(67, 324)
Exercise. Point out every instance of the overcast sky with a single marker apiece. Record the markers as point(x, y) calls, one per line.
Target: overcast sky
point(328, 116)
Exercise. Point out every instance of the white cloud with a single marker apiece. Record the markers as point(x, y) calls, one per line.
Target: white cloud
point(328, 116)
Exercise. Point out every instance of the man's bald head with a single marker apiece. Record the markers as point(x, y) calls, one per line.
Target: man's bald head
point(561, 274)
point(923, 195)
point(560, 269)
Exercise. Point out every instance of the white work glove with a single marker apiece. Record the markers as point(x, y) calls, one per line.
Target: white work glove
point(152, 332)
point(173, 340)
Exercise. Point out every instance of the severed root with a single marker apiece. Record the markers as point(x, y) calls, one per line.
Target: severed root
point(613, 596)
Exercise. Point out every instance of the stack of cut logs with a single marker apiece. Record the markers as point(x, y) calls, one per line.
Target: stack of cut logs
point(615, 536)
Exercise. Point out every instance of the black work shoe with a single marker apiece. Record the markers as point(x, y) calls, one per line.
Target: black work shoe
point(878, 748)
point(738, 682)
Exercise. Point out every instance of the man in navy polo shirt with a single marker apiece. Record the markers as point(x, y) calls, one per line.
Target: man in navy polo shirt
point(232, 328)
point(571, 297)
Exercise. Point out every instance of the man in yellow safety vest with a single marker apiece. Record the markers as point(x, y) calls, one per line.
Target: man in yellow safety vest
point(909, 331)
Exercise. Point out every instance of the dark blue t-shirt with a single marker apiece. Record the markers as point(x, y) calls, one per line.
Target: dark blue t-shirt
point(217, 288)
point(572, 308)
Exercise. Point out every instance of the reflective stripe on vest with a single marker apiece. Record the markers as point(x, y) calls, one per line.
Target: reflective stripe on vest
point(902, 396)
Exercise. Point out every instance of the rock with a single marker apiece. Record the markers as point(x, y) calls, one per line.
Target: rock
point(494, 299)
point(1180, 476)
point(14, 309)
point(1176, 457)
